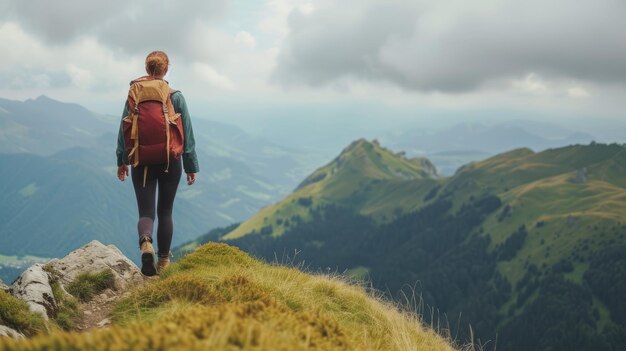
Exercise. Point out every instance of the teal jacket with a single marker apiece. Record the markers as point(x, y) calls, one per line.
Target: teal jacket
point(190, 159)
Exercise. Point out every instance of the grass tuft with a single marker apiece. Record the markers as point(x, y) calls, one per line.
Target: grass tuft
point(68, 311)
point(86, 285)
point(15, 314)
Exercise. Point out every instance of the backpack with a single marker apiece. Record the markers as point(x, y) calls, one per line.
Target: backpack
point(153, 131)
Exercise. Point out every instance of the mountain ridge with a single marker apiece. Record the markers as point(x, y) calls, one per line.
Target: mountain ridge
point(497, 244)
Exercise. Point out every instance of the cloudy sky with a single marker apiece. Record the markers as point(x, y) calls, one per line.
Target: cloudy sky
point(255, 58)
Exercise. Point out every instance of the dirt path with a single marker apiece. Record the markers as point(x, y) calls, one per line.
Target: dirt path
point(96, 313)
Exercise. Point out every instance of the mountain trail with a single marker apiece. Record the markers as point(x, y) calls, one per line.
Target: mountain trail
point(96, 313)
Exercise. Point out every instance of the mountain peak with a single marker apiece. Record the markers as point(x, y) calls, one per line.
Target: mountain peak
point(43, 98)
point(364, 159)
point(360, 144)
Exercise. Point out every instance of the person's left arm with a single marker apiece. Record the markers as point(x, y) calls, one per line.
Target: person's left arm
point(122, 159)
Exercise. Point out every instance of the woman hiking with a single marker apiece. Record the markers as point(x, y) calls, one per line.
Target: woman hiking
point(155, 132)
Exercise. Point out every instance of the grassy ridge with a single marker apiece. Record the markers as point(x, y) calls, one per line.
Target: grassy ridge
point(562, 216)
point(219, 298)
point(352, 179)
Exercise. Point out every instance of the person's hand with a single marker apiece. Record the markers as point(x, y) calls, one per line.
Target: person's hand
point(191, 178)
point(122, 172)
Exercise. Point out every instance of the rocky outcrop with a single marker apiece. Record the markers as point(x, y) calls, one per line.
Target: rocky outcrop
point(429, 168)
point(92, 258)
point(6, 331)
point(33, 286)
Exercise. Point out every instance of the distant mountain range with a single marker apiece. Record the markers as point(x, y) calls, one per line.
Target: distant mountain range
point(60, 190)
point(449, 148)
point(529, 248)
point(44, 126)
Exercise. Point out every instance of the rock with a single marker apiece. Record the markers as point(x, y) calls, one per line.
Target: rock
point(33, 286)
point(11, 333)
point(429, 167)
point(104, 322)
point(95, 257)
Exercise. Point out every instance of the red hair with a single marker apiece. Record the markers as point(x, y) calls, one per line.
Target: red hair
point(156, 63)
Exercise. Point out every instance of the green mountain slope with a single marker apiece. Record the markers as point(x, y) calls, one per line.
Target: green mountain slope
point(364, 177)
point(527, 246)
point(219, 298)
point(563, 196)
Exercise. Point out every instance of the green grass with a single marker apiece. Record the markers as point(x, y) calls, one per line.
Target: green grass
point(220, 298)
point(86, 285)
point(15, 314)
point(68, 308)
point(576, 276)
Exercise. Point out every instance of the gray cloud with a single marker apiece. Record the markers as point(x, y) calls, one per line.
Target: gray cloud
point(61, 21)
point(131, 27)
point(164, 25)
point(443, 47)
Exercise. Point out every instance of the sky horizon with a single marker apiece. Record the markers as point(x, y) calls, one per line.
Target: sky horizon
point(397, 61)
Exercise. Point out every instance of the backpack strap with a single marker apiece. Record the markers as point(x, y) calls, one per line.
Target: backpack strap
point(168, 110)
point(134, 133)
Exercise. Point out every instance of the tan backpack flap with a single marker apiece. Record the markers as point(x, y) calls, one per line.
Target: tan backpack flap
point(149, 90)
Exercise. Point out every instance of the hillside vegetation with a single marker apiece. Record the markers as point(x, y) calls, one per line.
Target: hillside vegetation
point(365, 176)
point(528, 248)
point(219, 298)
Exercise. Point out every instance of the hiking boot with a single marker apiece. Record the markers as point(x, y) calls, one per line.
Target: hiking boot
point(147, 258)
point(162, 262)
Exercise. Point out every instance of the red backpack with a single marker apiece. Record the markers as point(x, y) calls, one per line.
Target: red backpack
point(153, 131)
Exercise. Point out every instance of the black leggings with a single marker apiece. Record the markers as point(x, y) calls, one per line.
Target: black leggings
point(168, 183)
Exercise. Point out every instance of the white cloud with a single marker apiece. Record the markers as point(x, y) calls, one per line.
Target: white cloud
point(532, 84)
point(211, 76)
point(246, 39)
point(578, 92)
point(81, 78)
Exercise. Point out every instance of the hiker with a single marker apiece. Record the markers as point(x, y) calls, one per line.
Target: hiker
point(155, 134)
